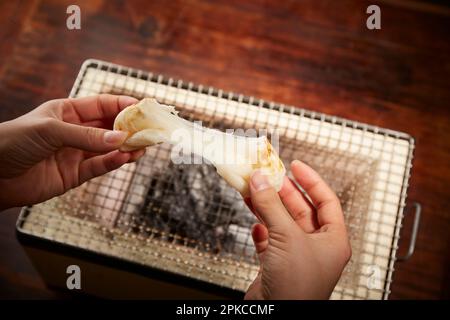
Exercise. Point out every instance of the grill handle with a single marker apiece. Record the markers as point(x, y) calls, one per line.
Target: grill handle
point(414, 231)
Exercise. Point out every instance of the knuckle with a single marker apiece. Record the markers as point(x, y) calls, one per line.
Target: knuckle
point(46, 128)
point(110, 163)
point(302, 213)
point(103, 95)
point(47, 124)
point(266, 196)
point(278, 236)
point(54, 103)
point(92, 136)
point(103, 98)
point(59, 103)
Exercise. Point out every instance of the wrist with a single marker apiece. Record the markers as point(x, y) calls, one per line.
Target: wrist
point(4, 195)
point(20, 149)
point(4, 146)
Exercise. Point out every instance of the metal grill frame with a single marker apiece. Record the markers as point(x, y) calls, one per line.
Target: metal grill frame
point(138, 74)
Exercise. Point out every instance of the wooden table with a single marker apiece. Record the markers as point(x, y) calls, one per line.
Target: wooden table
point(316, 54)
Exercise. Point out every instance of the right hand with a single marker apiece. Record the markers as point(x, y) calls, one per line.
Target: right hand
point(303, 247)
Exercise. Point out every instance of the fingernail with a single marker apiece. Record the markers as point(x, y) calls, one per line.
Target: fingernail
point(115, 137)
point(259, 181)
point(127, 100)
point(296, 162)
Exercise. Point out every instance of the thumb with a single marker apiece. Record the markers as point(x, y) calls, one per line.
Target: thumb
point(260, 236)
point(267, 203)
point(89, 138)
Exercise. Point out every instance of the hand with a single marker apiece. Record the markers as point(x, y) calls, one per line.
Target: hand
point(302, 246)
point(58, 146)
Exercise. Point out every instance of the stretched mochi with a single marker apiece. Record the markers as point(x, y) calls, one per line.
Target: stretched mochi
point(235, 157)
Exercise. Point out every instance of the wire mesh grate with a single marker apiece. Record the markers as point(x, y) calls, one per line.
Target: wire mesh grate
point(185, 219)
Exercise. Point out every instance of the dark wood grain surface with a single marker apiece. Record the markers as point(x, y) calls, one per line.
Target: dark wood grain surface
point(315, 54)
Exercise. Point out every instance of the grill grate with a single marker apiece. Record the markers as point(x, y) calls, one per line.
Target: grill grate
point(185, 219)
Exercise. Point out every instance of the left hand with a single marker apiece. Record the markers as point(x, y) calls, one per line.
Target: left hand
point(58, 146)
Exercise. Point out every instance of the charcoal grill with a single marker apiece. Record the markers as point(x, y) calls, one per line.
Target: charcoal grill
point(180, 231)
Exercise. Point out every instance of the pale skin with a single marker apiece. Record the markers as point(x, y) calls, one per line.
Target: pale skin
point(302, 246)
point(58, 146)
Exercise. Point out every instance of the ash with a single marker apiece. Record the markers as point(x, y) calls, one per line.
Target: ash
point(193, 205)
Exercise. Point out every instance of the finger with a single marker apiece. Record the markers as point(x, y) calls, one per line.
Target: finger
point(97, 124)
point(88, 138)
point(93, 123)
point(248, 202)
point(99, 107)
point(260, 236)
point(300, 209)
point(136, 155)
point(324, 199)
point(100, 165)
point(88, 155)
point(267, 203)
